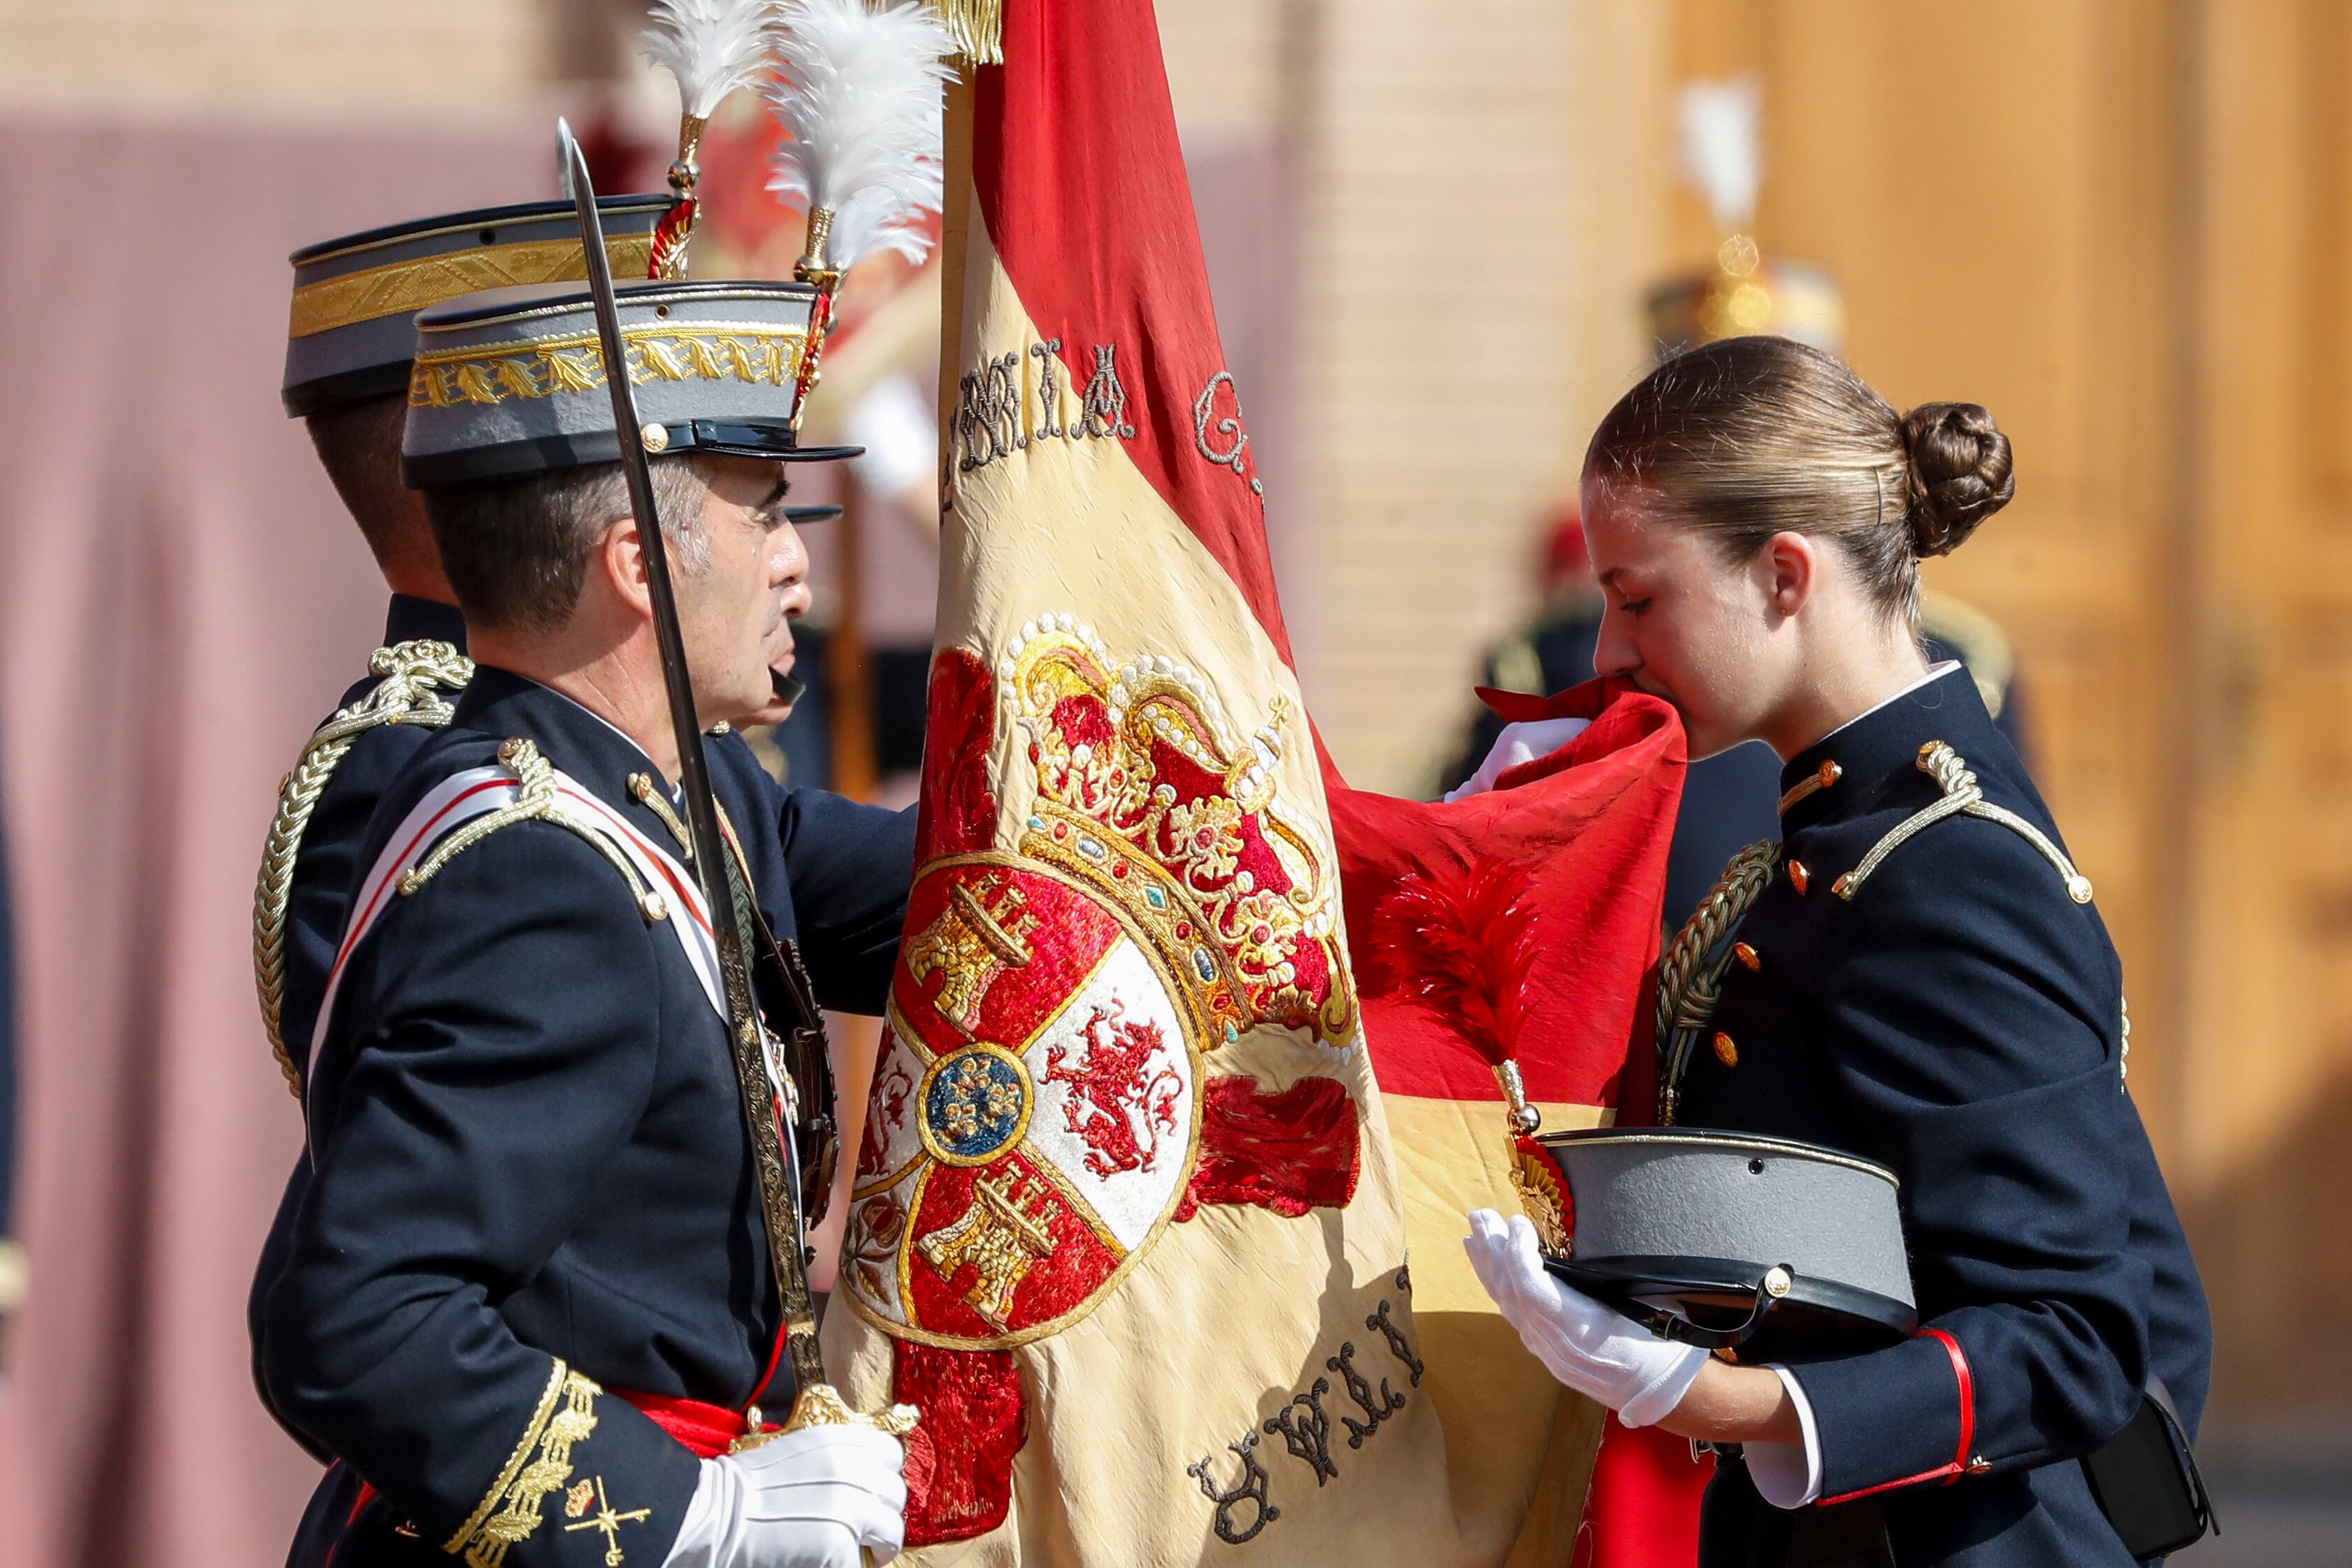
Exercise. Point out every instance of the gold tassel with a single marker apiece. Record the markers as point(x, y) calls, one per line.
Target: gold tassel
point(977, 26)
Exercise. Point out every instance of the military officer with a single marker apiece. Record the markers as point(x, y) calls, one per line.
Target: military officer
point(528, 1304)
point(349, 338)
point(1922, 980)
point(347, 362)
point(347, 359)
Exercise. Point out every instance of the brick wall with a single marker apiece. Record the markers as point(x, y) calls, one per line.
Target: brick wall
point(267, 56)
point(1474, 231)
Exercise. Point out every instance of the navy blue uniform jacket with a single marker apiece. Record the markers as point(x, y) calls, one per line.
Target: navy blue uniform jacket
point(319, 896)
point(1961, 1021)
point(532, 1184)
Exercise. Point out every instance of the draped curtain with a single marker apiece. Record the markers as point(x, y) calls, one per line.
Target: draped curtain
point(181, 595)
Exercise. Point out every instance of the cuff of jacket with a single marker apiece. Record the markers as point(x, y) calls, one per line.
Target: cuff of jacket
point(590, 1480)
point(1789, 1475)
point(1897, 1417)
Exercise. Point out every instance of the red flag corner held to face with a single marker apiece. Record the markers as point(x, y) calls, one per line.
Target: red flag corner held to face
point(1173, 1075)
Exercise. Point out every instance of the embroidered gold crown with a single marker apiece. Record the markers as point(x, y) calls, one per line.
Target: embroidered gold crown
point(1143, 790)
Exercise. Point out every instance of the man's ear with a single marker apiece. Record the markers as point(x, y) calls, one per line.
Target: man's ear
point(1793, 564)
point(621, 558)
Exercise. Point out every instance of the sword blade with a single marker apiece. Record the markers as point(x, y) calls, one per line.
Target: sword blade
point(780, 1210)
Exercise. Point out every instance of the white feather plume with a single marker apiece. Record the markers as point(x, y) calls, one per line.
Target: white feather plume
point(1720, 152)
point(711, 46)
point(860, 93)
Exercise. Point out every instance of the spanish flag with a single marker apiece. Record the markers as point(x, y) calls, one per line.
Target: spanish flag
point(1131, 1213)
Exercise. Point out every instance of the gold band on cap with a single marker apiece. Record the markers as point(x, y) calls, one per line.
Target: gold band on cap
point(754, 354)
point(404, 287)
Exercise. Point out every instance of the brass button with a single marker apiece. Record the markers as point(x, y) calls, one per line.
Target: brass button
point(655, 437)
point(1746, 955)
point(1726, 1051)
point(1799, 877)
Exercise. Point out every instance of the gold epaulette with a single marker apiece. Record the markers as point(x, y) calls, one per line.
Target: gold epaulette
point(1689, 981)
point(537, 801)
point(1962, 796)
point(415, 674)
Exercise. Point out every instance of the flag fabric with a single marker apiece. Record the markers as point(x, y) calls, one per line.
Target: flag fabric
point(1128, 1224)
point(1642, 1510)
point(1551, 886)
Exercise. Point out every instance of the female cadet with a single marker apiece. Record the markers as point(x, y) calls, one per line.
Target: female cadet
point(1921, 981)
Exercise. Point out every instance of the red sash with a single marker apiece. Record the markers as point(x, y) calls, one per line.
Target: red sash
point(706, 1430)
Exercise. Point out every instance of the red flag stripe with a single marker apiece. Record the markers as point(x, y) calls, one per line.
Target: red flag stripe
point(1081, 182)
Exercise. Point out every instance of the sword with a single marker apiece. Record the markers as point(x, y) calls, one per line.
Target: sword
point(816, 1403)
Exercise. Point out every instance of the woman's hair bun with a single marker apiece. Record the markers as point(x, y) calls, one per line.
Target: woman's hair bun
point(1960, 474)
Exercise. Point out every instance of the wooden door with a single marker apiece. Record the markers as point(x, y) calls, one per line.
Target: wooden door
point(2123, 227)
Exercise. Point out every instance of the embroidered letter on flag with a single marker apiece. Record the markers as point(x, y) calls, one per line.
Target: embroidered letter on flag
point(1127, 1224)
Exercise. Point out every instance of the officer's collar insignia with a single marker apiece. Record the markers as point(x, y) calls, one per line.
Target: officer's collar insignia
point(1813, 783)
point(1849, 769)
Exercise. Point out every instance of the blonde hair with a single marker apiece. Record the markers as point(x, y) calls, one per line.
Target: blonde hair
point(1751, 437)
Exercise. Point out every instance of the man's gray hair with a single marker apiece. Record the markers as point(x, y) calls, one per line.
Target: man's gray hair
point(516, 550)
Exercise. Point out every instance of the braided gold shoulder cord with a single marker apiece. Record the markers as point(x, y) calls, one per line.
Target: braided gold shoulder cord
point(413, 675)
point(1688, 984)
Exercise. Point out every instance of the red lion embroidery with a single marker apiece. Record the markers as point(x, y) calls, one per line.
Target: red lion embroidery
point(1120, 1104)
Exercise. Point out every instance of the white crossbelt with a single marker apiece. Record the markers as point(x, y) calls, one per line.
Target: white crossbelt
point(476, 792)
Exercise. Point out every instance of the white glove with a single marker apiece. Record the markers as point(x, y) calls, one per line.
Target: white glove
point(1518, 743)
point(1595, 1350)
point(809, 1499)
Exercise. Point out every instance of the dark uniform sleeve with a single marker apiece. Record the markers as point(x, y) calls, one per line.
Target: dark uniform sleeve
point(1968, 1056)
point(850, 867)
point(499, 1049)
point(318, 899)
